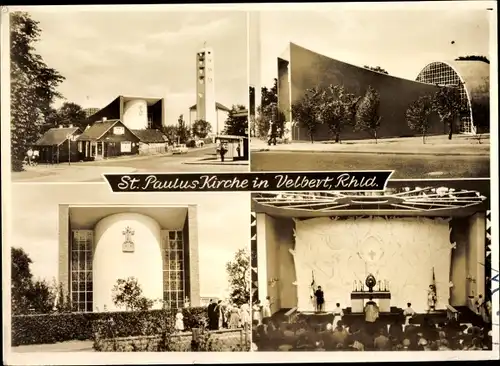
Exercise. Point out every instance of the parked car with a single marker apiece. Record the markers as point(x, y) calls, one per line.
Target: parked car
point(180, 149)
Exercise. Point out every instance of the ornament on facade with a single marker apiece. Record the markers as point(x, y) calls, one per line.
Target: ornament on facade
point(128, 244)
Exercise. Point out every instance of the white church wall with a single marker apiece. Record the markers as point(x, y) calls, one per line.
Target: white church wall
point(221, 121)
point(277, 280)
point(111, 263)
point(288, 291)
point(403, 251)
point(135, 114)
point(458, 295)
point(476, 255)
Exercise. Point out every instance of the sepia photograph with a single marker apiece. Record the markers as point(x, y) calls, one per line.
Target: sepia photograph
point(406, 269)
point(377, 87)
point(118, 276)
point(160, 90)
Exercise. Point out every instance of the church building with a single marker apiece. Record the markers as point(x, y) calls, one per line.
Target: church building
point(157, 245)
point(405, 239)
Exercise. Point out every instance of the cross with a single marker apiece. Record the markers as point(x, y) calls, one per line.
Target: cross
point(128, 232)
point(372, 254)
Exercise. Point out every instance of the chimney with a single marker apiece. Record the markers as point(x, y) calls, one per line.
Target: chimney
point(104, 119)
point(71, 125)
point(60, 126)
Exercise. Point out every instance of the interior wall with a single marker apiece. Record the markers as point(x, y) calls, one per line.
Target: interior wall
point(458, 271)
point(278, 279)
point(476, 256)
point(404, 251)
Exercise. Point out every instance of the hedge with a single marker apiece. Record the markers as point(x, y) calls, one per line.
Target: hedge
point(60, 327)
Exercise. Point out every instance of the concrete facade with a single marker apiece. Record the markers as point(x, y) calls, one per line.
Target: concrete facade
point(300, 69)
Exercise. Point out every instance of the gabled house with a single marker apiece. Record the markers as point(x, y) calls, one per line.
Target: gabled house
point(58, 145)
point(151, 141)
point(106, 139)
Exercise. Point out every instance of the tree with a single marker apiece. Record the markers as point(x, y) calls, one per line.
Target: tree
point(238, 271)
point(128, 293)
point(269, 95)
point(33, 87)
point(41, 297)
point(367, 114)
point(268, 99)
point(201, 128)
point(336, 109)
point(377, 69)
point(71, 113)
point(21, 280)
point(171, 133)
point(448, 105)
point(305, 111)
point(237, 122)
point(182, 130)
point(418, 115)
point(473, 58)
point(63, 300)
point(269, 113)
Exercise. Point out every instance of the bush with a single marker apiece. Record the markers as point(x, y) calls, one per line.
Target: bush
point(17, 165)
point(52, 328)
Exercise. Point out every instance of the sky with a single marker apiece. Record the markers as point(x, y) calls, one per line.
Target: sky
point(103, 54)
point(222, 229)
point(402, 41)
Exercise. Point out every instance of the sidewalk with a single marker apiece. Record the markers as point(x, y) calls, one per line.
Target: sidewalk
point(435, 145)
point(70, 346)
point(215, 161)
point(66, 173)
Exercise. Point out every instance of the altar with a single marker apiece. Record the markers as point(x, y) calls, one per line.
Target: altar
point(360, 298)
point(381, 296)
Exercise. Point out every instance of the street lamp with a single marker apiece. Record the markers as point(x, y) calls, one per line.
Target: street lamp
point(69, 137)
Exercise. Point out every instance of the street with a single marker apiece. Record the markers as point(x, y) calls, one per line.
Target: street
point(411, 166)
point(193, 161)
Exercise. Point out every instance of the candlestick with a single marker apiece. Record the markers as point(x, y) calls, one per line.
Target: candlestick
point(354, 285)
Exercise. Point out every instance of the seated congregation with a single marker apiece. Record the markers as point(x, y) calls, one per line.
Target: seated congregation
point(400, 334)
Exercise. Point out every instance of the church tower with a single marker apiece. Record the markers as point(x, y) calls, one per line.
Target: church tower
point(205, 88)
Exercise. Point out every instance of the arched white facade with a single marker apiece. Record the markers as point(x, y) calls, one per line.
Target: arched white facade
point(135, 114)
point(111, 262)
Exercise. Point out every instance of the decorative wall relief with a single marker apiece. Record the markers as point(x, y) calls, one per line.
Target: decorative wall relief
point(128, 244)
point(400, 250)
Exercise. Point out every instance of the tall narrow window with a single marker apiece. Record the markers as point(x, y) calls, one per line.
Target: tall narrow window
point(81, 270)
point(173, 268)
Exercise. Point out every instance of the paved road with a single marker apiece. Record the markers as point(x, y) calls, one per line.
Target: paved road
point(405, 166)
point(91, 171)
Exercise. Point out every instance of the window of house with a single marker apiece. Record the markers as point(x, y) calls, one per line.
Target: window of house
point(126, 146)
point(118, 130)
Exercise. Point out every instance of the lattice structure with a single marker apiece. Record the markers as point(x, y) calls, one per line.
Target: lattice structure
point(81, 270)
point(443, 74)
point(253, 257)
point(173, 268)
point(404, 199)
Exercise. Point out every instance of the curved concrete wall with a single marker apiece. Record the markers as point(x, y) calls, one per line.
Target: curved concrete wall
point(135, 114)
point(111, 263)
point(308, 69)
